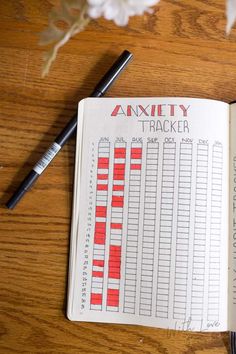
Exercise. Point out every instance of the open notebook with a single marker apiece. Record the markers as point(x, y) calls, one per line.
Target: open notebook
point(154, 214)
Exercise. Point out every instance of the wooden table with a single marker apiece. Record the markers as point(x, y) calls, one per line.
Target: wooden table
point(180, 50)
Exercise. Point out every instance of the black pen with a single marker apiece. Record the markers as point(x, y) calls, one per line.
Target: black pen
point(68, 131)
point(232, 342)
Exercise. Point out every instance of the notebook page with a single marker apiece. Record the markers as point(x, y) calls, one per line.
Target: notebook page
point(151, 214)
point(232, 221)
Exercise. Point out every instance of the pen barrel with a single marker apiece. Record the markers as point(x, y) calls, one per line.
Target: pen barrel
point(110, 76)
point(99, 91)
point(232, 343)
point(31, 178)
point(27, 183)
point(67, 132)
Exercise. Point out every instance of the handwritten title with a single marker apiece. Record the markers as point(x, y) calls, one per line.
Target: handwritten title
point(165, 111)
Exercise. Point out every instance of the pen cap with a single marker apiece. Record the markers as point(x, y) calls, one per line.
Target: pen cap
point(111, 74)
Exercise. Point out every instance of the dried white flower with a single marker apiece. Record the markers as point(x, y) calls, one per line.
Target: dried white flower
point(74, 23)
point(75, 14)
point(119, 10)
point(231, 14)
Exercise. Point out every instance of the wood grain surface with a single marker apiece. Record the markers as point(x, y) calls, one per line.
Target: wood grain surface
point(179, 50)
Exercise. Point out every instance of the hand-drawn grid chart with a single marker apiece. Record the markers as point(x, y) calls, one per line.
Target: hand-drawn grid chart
point(183, 230)
point(132, 234)
point(149, 223)
point(124, 166)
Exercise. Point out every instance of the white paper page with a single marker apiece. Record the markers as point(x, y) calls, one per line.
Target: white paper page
point(150, 225)
point(232, 221)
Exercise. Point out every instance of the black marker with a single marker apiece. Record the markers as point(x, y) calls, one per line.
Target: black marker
point(68, 131)
point(232, 342)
